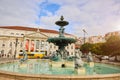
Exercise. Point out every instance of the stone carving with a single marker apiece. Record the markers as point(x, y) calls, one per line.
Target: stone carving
point(89, 57)
point(53, 56)
point(25, 57)
point(61, 30)
point(78, 60)
point(58, 55)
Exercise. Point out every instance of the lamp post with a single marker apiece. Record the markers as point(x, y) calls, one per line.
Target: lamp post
point(16, 43)
point(84, 36)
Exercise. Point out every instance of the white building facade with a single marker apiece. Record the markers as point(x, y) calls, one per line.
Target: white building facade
point(116, 33)
point(13, 39)
point(96, 39)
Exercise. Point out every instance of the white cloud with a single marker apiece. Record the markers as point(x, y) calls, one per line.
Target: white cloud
point(48, 21)
point(19, 12)
point(98, 16)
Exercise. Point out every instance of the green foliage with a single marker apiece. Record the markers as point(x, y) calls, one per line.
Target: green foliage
point(96, 48)
point(112, 46)
point(85, 48)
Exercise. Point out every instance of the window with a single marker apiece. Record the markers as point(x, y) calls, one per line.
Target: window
point(71, 53)
point(36, 50)
point(2, 51)
point(42, 43)
point(22, 34)
point(21, 50)
point(21, 44)
point(10, 44)
point(37, 44)
point(12, 33)
point(17, 33)
point(3, 45)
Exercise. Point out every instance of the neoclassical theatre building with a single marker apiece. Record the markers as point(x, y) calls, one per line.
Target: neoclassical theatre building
point(14, 38)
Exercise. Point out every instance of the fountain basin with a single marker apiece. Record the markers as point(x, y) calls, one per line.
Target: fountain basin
point(59, 63)
point(4, 75)
point(61, 41)
point(12, 71)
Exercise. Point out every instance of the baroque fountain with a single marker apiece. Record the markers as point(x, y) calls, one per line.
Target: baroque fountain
point(61, 42)
point(60, 65)
point(60, 58)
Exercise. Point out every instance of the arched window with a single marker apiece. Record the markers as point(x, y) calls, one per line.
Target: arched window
point(37, 44)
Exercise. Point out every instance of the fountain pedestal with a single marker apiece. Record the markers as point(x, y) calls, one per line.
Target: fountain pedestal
point(81, 71)
point(50, 63)
point(70, 64)
point(56, 64)
point(91, 64)
point(90, 60)
point(62, 64)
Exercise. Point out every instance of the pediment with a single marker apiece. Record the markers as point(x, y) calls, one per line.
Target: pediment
point(36, 35)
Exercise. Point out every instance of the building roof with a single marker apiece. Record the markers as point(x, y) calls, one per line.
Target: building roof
point(29, 29)
point(33, 29)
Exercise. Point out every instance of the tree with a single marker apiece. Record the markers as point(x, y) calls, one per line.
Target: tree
point(96, 48)
point(85, 48)
point(112, 46)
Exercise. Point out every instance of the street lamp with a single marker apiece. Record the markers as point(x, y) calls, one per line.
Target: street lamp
point(84, 31)
point(16, 43)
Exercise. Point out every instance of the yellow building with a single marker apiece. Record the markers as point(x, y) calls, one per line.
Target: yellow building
point(14, 38)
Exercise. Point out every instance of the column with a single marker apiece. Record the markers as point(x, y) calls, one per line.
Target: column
point(39, 45)
point(34, 45)
point(24, 42)
point(29, 49)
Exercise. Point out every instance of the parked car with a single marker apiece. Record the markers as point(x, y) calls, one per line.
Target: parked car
point(105, 57)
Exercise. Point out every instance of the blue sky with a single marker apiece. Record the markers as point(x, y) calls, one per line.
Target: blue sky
point(97, 17)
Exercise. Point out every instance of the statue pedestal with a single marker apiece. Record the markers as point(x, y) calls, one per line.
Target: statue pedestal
point(70, 64)
point(56, 64)
point(23, 65)
point(62, 64)
point(81, 71)
point(91, 64)
point(50, 63)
